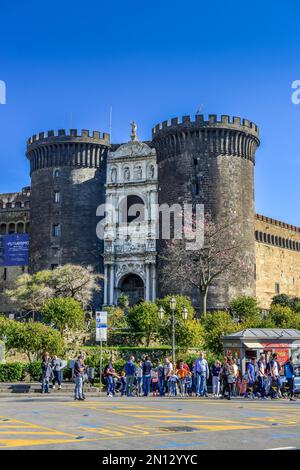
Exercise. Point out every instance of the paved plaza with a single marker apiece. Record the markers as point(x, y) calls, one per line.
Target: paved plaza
point(53, 422)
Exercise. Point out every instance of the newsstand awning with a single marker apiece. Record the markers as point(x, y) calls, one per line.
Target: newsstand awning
point(253, 345)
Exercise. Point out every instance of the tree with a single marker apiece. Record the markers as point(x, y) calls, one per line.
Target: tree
point(117, 331)
point(188, 333)
point(63, 313)
point(281, 299)
point(32, 290)
point(123, 300)
point(143, 321)
point(282, 316)
point(246, 310)
point(31, 338)
point(215, 325)
point(220, 256)
point(75, 281)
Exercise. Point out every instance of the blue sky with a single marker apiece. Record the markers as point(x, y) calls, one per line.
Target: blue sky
point(66, 63)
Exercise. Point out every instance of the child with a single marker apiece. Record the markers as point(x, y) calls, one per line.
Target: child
point(238, 384)
point(181, 375)
point(216, 372)
point(172, 384)
point(189, 384)
point(123, 383)
point(154, 382)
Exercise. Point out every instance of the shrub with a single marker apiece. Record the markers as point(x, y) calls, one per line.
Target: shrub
point(144, 322)
point(281, 316)
point(281, 299)
point(11, 372)
point(33, 338)
point(215, 325)
point(246, 310)
point(34, 369)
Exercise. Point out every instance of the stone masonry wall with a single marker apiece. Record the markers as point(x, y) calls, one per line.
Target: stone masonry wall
point(277, 250)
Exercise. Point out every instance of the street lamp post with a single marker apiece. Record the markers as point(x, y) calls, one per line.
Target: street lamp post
point(173, 321)
point(173, 308)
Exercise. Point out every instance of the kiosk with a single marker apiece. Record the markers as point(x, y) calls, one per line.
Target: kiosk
point(251, 342)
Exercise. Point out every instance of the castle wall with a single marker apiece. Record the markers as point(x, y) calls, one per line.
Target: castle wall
point(277, 249)
point(14, 218)
point(211, 163)
point(68, 174)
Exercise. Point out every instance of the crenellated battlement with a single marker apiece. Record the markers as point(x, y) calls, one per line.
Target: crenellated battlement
point(62, 135)
point(61, 148)
point(199, 121)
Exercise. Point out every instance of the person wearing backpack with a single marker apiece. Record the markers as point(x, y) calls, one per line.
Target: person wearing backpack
point(261, 375)
point(130, 369)
point(289, 372)
point(274, 372)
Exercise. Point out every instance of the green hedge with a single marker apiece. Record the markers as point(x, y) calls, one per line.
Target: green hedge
point(11, 372)
point(34, 369)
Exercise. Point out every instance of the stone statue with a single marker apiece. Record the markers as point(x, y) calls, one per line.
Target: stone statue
point(138, 173)
point(113, 175)
point(133, 131)
point(126, 174)
point(151, 171)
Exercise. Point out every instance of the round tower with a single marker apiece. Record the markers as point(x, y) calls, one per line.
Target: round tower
point(211, 162)
point(68, 173)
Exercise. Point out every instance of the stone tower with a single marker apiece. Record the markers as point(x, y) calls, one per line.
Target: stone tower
point(68, 173)
point(211, 162)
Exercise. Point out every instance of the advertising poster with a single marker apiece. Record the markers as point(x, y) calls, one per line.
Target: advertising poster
point(14, 249)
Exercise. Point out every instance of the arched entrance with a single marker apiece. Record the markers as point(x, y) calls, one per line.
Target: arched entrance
point(132, 285)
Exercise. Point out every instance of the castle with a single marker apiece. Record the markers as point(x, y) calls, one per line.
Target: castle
point(188, 160)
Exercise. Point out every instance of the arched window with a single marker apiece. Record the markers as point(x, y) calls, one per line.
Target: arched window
point(56, 173)
point(11, 228)
point(2, 229)
point(20, 227)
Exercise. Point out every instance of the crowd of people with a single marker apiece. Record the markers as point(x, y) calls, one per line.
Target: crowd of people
point(263, 377)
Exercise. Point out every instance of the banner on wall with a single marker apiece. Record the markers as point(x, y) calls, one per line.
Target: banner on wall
point(14, 249)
